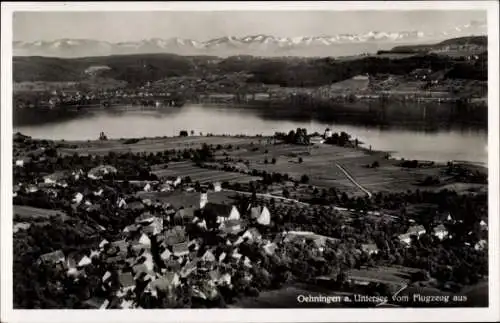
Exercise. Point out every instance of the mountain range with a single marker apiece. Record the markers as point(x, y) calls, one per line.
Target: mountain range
point(257, 45)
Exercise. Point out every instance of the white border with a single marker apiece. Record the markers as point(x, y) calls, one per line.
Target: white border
point(248, 315)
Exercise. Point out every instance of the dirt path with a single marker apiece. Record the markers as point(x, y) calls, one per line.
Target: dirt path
point(346, 173)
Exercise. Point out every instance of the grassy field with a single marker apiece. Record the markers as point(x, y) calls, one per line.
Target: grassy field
point(320, 164)
point(149, 145)
point(203, 175)
point(187, 199)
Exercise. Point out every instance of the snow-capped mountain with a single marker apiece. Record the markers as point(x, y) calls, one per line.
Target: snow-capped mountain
point(258, 45)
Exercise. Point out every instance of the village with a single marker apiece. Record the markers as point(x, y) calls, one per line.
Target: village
point(168, 241)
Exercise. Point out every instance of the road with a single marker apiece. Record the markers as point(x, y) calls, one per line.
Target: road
point(346, 173)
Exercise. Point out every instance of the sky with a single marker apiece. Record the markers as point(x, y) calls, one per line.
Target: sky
point(205, 25)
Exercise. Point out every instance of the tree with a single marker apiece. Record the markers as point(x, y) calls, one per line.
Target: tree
point(273, 160)
point(304, 179)
point(300, 160)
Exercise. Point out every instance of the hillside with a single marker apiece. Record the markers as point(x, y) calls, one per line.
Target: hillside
point(452, 56)
point(472, 44)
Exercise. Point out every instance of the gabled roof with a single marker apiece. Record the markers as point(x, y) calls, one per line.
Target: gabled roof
point(256, 211)
point(180, 248)
point(126, 279)
point(369, 247)
point(136, 205)
point(440, 228)
point(185, 213)
point(416, 229)
point(120, 245)
point(175, 235)
point(53, 257)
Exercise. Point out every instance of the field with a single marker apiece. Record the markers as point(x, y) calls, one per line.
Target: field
point(202, 175)
point(325, 165)
point(186, 199)
point(320, 162)
point(149, 145)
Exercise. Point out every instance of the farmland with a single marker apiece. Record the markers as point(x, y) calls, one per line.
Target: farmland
point(320, 162)
point(147, 145)
point(186, 199)
point(202, 175)
point(326, 166)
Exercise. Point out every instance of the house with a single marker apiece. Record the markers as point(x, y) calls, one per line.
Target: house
point(481, 245)
point(32, 188)
point(184, 215)
point(126, 281)
point(54, 257)
point(165, 188)
point(94, 254)
point(328, 133)
point(131, 228)
point(208, 256)
point(126, 304)
point(270, 248)
point(99, 171)
point(203, 200)
point(118, 248)
point(166, 254)
point(103, 243)
point(369, 248)
point(231, 226)
point(145, 218)
point(174, 236)
point(84, 262)
point(165, 283)
point(144, 240)
point(142, 272)
point(21, 226)
point(316, 140)
point(180, 249)
point(217, 187)
point(147, 188)
point(417, 230)
point(222, 212)
point(189, 268)
point(155, 227)
point(483, 225)
point(96, 303)
point(54, 178)
point(440, 231)
point(121, 203)
point(78, 198)
point(261, 215)
point(23, 161)
point(250, 235)
point(405, 238)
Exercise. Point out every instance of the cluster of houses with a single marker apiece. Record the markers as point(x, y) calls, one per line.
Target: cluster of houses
point(441, 232)
point(157, 252)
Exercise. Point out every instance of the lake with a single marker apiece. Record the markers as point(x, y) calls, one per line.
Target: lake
point(409, 136)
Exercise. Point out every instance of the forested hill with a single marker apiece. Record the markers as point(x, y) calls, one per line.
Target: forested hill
point(462, 45)
point(285, 71)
